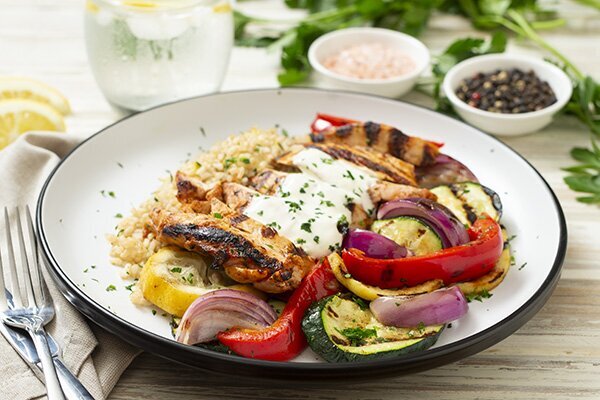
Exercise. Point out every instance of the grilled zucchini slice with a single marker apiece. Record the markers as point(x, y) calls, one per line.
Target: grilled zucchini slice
point(411, 233)
point(340, 329)
point(493, 278)
point(469, 201)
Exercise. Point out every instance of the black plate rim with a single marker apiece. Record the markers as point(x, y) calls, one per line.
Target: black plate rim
point(198, 357)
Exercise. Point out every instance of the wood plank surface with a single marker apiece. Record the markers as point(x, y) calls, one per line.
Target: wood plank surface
point(556, 355)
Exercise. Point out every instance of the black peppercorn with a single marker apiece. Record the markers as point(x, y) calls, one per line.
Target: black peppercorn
point(506, 91)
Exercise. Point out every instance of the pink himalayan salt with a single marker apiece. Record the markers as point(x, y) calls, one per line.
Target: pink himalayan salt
point(370, 61)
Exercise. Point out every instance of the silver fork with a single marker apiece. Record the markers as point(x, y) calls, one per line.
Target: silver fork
point(33, 311)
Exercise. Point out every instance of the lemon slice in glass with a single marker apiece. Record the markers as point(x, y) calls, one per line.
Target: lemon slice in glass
point(20, 116)
point(29, 89)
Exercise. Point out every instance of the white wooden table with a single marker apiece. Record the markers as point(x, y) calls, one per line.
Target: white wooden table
point(555, 355)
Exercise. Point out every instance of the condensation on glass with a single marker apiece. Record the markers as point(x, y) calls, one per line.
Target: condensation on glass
point(149, 52)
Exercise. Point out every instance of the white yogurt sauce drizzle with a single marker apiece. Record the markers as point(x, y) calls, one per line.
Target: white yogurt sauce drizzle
point(307, 206)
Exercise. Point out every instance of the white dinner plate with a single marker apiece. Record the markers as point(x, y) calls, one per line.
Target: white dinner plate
point(130, 156)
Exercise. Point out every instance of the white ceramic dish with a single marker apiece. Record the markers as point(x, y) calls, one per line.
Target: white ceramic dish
point(507, 124)
point(128, 158)
point(336, 41)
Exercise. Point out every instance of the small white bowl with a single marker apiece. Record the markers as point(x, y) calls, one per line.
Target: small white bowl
point(507, 124)
point(336, 41)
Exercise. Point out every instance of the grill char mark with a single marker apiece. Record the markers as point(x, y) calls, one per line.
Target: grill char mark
point(317, 137)
point(372, 130)
point(218, 240)
point(344, 131)
point(344, 154)
point(397, 143)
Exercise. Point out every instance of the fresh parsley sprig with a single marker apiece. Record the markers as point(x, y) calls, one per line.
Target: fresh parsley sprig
point(585, 177)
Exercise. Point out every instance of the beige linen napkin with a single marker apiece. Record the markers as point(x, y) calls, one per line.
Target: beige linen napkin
point(95, 356)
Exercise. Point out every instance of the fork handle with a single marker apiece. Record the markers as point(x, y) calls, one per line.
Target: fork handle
point(71, 386)
point(50, 378)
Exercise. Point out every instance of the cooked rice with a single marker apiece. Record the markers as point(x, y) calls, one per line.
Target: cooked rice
point(235, 159)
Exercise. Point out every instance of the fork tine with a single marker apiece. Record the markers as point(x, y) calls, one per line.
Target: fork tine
point(41, 294)
point(3, 301)
point(25, 262)
point(14, 280)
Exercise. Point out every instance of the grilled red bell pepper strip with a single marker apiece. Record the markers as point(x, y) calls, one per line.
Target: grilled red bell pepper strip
point(284, 339)
point(323, 122)
point(455, 264)
point(326, 121)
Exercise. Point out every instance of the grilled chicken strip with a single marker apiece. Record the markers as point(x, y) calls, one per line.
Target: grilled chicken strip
point(268, 181)
point(386, 191)
point(385, 167)
point(194, 194)
point(383, 138)
point(248, 251)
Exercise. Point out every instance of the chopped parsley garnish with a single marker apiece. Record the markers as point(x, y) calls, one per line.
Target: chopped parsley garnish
point(202, 131)
point(302, 190)
point(511, 238)
point(300, 241)
point(120, 165)
point(111, 288)
point(261, 212)
point(285, 194)
point(245, 160)
point(198, 165)
point(189, 279)
point(316, 239)
point(85, 270)
point(218, 215)
point(522, 266)
point(118, 215)
point(360, 302)
point(130, 287)
point(229, 162)
point(321, 194)
point(103, 193)
point(274, 225)
point(342, 224)
point(349, 176)
point(153, 312)
point(306, 227)
point(294, 207)
point(357, 336)
point(479, 296)
point(327, 203)
point(176, 269)
point(327, 161)
point(155, 199)
point(112, 194)
point(285, 133)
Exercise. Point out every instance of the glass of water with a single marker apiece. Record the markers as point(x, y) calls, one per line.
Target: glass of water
point(149, 52)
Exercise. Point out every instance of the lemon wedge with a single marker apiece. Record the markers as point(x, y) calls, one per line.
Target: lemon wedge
point(30, 89)
point(173, 278)
point(20, 116)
